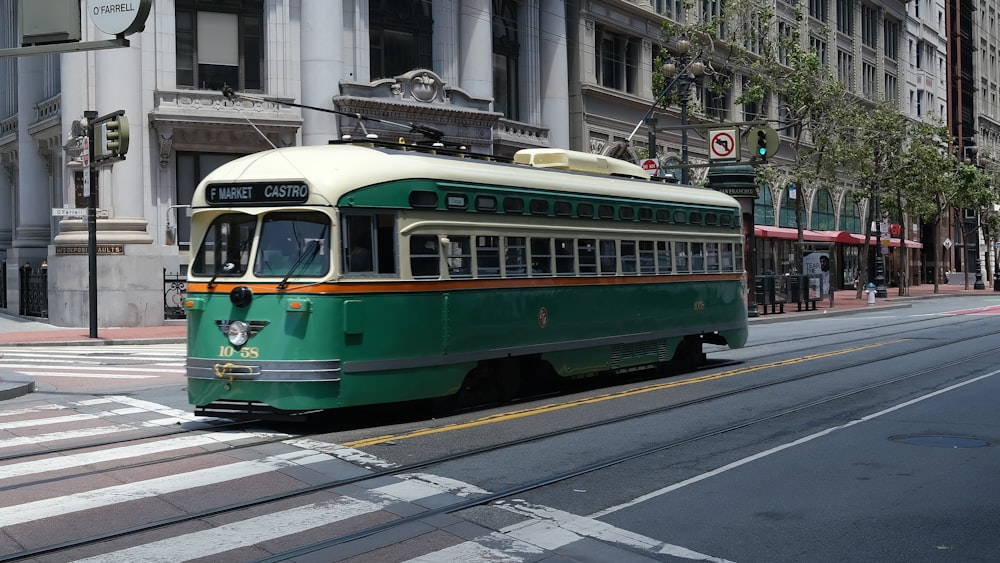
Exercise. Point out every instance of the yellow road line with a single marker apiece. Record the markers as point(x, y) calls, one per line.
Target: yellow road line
point(512, 415)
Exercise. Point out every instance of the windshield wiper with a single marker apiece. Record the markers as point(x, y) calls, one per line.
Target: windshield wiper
point(310, 252)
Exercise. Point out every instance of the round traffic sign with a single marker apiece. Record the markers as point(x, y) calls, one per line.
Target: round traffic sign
point(650, 165)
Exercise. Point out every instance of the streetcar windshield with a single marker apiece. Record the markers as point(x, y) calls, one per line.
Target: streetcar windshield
point(293, 244)
point(226, 248)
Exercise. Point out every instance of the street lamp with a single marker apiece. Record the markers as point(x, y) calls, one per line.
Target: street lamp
point(687, 72)
point(970, 156)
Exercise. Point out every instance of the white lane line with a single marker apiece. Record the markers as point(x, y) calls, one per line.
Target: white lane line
point(68, 504)
point(125, 452)
point(772, 451)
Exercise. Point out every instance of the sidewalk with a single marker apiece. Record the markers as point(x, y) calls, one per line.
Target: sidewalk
point(845, 302)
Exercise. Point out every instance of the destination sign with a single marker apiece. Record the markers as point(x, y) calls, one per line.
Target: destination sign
point(256, 193)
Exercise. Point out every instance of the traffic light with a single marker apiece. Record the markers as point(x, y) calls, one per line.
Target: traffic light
point(116, 136)
point(764, 142)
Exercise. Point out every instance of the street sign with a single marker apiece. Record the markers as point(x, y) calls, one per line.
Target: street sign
point(76, 212)
point(722, 144)
point(651, 165)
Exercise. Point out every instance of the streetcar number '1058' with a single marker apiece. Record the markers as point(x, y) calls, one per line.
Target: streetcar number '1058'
point(247, 352)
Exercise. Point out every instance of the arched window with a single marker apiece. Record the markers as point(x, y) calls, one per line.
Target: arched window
point(850, 214)
point(786, 217)
point(822, 211)
point(763, 208)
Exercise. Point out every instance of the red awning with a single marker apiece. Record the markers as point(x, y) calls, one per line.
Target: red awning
point(787, 233)
point(844, 237)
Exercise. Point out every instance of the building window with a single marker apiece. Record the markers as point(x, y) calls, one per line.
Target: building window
point(891, 87)
point(220, 43)
point(845, 16)
point(617, 60)
point(891, 40)
point(869, 26)
point(819, 47)
point(192, 167)
point(822, 211)
point(845, 68)
point(400, 33)
point(505, 51)
point(868, 80)
point(817, 9)
point(850, 214)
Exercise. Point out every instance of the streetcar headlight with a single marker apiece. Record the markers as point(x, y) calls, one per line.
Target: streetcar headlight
point(238, 333)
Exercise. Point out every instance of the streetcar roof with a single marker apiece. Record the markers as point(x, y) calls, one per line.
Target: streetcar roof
point(331, 171)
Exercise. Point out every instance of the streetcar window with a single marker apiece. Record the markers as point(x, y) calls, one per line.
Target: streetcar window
point(726, 220)
point(694, 218)
point(711, 219)
point(459, 257)
point(605, 212)
point(664, 257)
point(680, 217)
point(628, 256)
point(697, 257)
point(563, 208)
point(647, 257)
point(609, 257)
point(645, 214)
point(368, 243)
point(626, 214)
point(225, 250)
point(425, 261)
point(513, 205)
point(585, 210)
point(565, 264)
point(359, 243)
point(423, 198)
point(712, 257)
point(681, 253)
point(293, 244)
point(516, 260)
point(738, 257)
point(486, 203)
point(662, 215)
point(538, 207)
point(488, 256)
point(586, 251)
point(456, 201)
point(726, 254)
point(541, 257)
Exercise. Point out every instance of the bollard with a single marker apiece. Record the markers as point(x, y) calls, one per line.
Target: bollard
point(870, 289)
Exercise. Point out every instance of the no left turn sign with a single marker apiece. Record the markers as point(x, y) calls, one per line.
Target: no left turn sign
point(722, 145)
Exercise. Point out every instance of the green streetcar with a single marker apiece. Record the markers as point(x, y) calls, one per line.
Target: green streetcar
point(363, 273)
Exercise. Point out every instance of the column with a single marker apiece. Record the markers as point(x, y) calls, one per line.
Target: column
point(31, 221)
point(445, 52)
point(554, 80)
point(476, 49)
point(530, 73)
point(322, 39)
point(124, 187)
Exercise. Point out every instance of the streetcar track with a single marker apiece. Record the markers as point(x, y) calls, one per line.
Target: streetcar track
point(412, 467)
point(611, 461)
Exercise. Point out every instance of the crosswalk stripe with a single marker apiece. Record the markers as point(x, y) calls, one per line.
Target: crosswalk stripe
point(68, 435)
point(67, 504)
point(46, 421)
point(125, 452)
point(206, 543)
point(86, 375)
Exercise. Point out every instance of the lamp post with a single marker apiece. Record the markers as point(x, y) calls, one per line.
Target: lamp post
point(687, 72)
point(880, 288)
point(970, 156)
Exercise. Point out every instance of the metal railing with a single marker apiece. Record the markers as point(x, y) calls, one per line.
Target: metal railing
point(174, 292)
point(34, 291)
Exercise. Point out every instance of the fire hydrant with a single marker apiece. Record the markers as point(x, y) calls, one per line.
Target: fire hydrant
point(870, 289)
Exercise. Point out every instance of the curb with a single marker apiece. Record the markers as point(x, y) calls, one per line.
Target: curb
point(95, 342)
point(13, 387)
